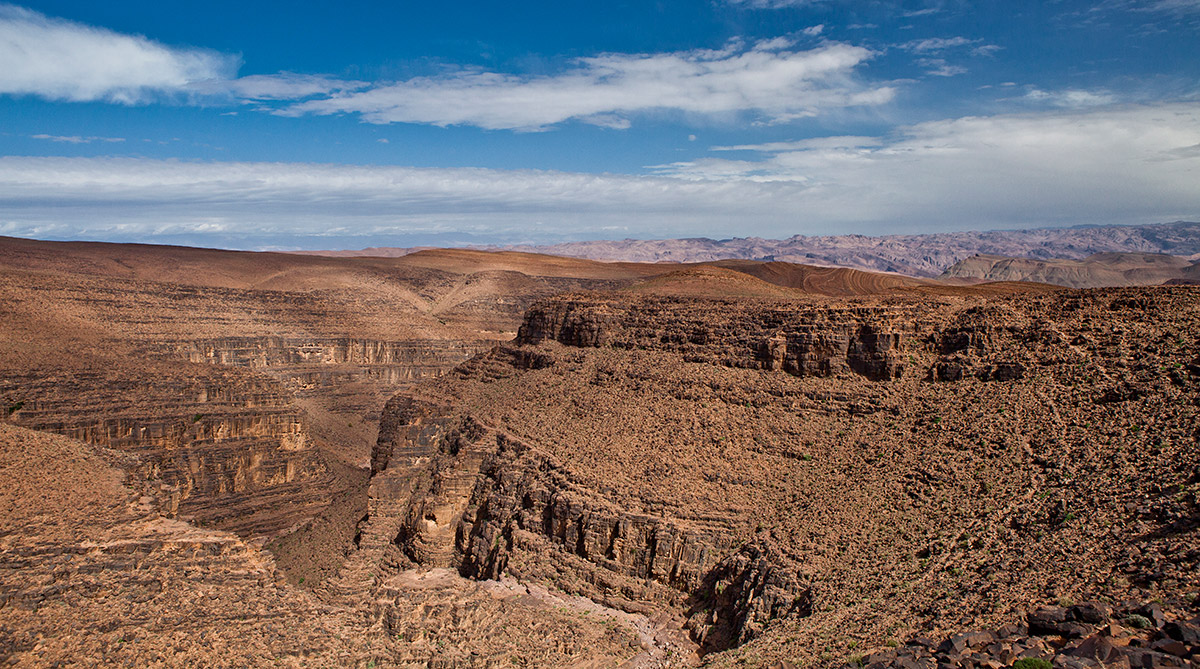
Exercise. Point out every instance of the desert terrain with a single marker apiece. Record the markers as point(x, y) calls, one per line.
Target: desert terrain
point(465, 458)
point(926, 255)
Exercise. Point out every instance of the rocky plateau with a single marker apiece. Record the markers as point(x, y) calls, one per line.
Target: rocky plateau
point(459, 458)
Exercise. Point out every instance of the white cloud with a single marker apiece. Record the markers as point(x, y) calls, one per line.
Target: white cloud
point(282, 86)
point(814, 31)
point(765, 80)
point(934, 44)
point(1129, 165)
point(63, 60)
point(769, 81)
point(837, 142)
point(76, 139)
point(1134, 164)
point(1070, 98)
point(938, 67)
point(284, 204)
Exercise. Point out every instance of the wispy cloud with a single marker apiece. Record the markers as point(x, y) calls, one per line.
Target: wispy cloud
point(938, 67)
point(76, 139)
point(62, 60)
point(772, 4)
point(836, 142)
point(1176, 5)
point(1070, 98)
point(935, 44)
point(931, 51)
point(1127, 165)
point(282, 86)
point(768, 79)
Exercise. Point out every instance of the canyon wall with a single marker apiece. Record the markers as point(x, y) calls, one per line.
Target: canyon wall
point(216, 420)
point(819, 340)
point(451, 490)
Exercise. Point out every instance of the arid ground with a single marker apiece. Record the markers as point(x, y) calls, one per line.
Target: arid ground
point(460, 458)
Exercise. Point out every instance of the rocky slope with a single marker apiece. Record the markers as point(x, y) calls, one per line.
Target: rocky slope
point(1079, 636)
point(95, 572)
point(808, 480)
point(1095, 271)
point(730, 464)
point(249, 383)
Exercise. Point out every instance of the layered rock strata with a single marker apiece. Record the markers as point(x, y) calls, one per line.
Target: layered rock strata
point(761, 465)
point(450, 492)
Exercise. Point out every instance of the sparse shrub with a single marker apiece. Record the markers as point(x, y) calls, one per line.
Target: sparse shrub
point(891, 643)
point(807, 457)
point(197, 418)
point(13, 408)
point(1138, 621)
point(1032, 663)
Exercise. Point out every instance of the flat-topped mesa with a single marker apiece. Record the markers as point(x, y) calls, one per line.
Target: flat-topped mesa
point(800, 339)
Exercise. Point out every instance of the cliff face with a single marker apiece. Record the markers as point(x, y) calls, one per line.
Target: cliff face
point(231, 444)
point(760, 466)
point(223, 428)
point(802, 341)
point(450, 492)
point(303, 363)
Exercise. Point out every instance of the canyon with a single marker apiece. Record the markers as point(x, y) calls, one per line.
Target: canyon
point(462, 458)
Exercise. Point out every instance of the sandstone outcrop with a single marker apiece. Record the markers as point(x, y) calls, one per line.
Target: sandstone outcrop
point(802, 340)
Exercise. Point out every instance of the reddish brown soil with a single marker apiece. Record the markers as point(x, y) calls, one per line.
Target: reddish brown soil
point(789, 463)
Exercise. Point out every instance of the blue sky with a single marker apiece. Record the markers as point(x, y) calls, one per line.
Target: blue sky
point(305, 125)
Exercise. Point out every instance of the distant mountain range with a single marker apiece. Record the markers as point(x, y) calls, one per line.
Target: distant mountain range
point(927, 255)
point(1101, 269)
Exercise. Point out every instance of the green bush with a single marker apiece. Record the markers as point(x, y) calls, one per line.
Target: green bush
point(1032, 663)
